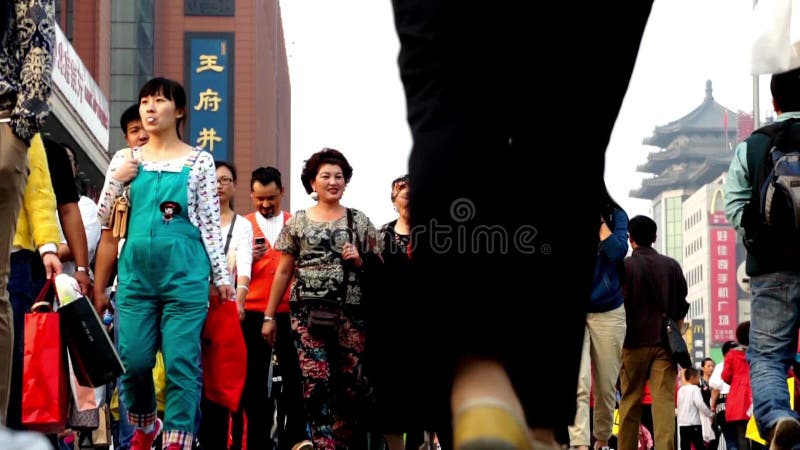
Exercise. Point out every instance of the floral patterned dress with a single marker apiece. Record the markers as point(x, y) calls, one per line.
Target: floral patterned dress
point(333, 383)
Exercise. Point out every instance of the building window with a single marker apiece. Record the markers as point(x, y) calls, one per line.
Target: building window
point(674, 233)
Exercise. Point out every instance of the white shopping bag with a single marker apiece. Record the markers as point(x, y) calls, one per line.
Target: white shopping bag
point(776, 36)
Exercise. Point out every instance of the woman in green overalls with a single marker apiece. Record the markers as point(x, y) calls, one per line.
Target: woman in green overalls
point(173, 247)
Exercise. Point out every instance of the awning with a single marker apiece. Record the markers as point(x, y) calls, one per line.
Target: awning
point(78, 105)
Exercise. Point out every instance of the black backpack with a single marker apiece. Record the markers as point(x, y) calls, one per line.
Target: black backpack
point(773, 214)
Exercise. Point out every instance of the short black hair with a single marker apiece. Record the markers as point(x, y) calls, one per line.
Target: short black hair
point(130, 115)
point(690, 372)
point(265, 176)
point(171, 90)
point(642, 230)
point(324, 156)
point(785, 88)
point(227, 165)
point(727, 346)
point(743, 333)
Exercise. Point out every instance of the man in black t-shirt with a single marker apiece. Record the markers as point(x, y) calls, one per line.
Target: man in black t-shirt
point(69, 215)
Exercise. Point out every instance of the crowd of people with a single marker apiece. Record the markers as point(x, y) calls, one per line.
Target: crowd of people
point(349, 312)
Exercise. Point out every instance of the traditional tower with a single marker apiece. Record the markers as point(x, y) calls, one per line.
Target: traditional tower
point(692, 151)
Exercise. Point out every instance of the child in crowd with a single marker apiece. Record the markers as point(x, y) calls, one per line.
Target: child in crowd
point(690, 407)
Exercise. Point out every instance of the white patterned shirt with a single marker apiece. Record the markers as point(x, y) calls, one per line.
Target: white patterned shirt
point(203, 207)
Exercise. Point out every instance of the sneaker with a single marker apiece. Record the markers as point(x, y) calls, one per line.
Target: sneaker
point(785, 434)
point(144, 441)
point(304, 445)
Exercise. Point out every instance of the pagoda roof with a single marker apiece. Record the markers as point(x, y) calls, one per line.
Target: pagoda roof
point(686, 148)
point(684, 175)
point(709, 116)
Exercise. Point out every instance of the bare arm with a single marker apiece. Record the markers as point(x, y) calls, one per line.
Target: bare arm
point(103, 266)
point(75, 233)
point(279, 285)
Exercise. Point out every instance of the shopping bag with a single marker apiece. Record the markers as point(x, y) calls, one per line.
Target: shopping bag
point(224, 355)
point(44, 370)
point(84, 398)
point(101, 436)
point(95, 359)
point(775, 28)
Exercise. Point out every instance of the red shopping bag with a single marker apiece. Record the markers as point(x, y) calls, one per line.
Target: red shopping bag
point(45, 385)
point(224, 355)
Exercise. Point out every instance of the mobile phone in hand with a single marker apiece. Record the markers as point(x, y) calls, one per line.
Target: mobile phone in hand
point(260, 241)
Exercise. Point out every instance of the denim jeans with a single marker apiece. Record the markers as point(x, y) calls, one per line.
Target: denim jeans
point(773, 344)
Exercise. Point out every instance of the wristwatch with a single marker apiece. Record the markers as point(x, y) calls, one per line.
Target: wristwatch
point(268, 318)
point(82, 269)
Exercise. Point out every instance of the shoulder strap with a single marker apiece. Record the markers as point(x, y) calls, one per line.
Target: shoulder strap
point(352, 229)
point(254, 225)
point(345, 264)
point(230, 233)
point(758, 146)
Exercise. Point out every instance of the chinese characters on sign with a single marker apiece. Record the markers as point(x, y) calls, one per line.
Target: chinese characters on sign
point(209, 7)
point(210, 77)
point(724, 315)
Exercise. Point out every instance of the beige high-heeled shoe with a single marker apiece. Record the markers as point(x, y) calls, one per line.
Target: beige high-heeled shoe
point(489, 424)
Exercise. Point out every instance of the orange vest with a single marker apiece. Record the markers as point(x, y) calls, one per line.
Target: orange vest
point(263, 273)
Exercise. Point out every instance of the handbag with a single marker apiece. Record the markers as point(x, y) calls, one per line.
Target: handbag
point(119, 213)
point(323, 316)
point(119, 216)
point(224, 355)
point(45, 385)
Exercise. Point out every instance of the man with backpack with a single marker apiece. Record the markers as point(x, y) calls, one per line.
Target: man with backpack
point(761, 202)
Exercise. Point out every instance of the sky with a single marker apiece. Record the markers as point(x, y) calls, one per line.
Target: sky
point(347, 94)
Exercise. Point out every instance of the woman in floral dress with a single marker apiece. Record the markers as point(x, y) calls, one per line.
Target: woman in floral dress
point(321, 246)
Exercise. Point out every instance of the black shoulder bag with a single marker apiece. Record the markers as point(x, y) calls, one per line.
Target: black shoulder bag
point(676, 345)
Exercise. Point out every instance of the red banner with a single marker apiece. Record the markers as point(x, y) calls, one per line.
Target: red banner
point(724, 317)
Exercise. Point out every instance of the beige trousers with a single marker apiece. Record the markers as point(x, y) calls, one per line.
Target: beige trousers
point(602, 356)
point(640, 365)
point(13, 177)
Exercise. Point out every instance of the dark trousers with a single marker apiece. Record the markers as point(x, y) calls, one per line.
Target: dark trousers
point(20, 289)
point(256, 403)
point(470, 104)
point(214, 424)
point(692, 434)
point(290, 399)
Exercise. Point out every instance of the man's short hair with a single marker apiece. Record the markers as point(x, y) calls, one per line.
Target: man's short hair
point(785, 88)
point(643, 230)
point(265, 176)
point(131, 114)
